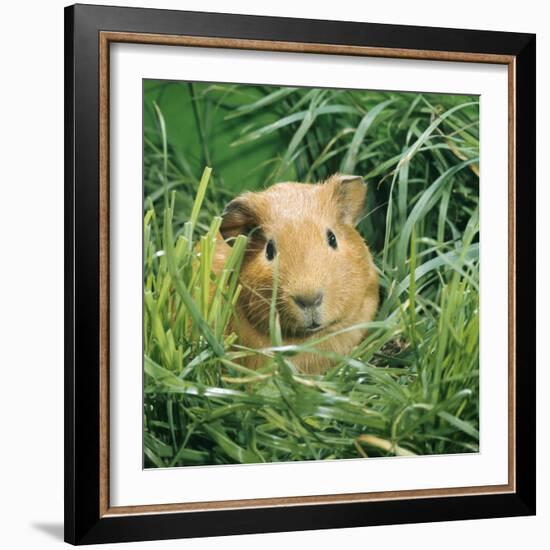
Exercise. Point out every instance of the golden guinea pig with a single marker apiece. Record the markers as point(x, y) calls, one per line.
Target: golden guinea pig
point(326, 276)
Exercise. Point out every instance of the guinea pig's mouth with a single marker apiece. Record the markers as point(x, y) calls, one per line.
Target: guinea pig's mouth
point(313, 328)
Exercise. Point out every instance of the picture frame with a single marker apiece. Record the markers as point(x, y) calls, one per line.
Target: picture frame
point(90, 32)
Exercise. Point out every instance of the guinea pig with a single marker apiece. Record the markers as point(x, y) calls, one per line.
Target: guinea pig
point(326, 276)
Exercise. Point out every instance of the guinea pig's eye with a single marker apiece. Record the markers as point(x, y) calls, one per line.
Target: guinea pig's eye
point(331, 239)
point(270, 250)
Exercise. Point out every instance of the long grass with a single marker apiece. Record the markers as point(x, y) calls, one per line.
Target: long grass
point(412, 386)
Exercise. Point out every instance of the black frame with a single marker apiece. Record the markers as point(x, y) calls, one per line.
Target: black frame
point(83, 524)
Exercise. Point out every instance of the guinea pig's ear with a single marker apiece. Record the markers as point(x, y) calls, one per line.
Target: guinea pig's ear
point(238, 218)
point(349, 192)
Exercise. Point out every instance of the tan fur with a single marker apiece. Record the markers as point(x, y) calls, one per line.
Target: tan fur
point(296, 217)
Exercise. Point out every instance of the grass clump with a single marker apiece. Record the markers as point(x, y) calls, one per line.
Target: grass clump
point(412, 386)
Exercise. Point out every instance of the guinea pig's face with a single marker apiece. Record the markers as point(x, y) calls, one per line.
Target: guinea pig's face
point(304, 234)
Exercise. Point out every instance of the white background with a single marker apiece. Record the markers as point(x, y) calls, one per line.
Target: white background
point(31, 404)
point(130, 484)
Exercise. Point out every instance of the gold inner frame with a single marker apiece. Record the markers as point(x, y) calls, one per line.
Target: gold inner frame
point(105, 39)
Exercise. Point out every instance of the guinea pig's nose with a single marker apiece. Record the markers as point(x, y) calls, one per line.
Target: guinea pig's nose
point(304, 301)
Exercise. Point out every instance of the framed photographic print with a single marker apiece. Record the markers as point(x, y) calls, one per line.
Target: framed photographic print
point(299, 274)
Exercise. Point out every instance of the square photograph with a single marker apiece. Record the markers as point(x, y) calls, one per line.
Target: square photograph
point(310, 274)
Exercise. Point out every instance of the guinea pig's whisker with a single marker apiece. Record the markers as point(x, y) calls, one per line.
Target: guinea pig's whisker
point(262, 305)
point(258, 295)
point(367, 214)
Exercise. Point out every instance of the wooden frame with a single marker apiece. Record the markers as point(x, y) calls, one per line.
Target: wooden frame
point(88, 515)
